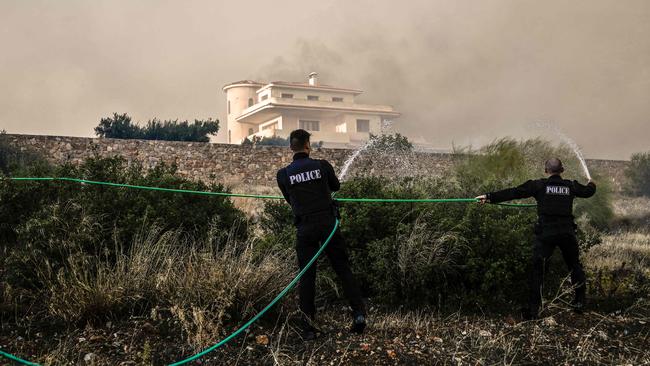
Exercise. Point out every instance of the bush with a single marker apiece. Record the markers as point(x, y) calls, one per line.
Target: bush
point(266, 141)
point(394, 143)
point(438, 254)
point(638, 175)
point(276, 225)
point(52, 219)
point(121, 127)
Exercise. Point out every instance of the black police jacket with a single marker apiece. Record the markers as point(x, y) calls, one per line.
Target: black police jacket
point(554, 197)
point(307, 185)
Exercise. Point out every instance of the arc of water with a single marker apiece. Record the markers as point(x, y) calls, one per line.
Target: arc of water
point(350, 160)
point(569, 141)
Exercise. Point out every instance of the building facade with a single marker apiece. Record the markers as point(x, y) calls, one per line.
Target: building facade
point(330, 114)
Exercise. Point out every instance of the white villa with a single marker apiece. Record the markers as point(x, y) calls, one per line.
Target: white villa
point(275, 109)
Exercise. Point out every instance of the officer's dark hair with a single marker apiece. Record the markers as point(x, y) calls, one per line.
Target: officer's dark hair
point(298, 139)
point(554, 166)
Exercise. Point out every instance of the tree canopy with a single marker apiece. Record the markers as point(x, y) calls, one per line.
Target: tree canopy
point(120, 126)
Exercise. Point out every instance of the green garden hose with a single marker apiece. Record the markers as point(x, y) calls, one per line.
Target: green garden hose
point(16, 359)
point(226, 194)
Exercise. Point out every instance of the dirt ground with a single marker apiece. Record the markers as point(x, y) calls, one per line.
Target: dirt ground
point(409, 338)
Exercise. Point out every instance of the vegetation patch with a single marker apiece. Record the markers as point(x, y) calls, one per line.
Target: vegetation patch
point(147, 277)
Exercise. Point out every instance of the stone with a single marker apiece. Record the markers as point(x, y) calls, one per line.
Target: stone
point(550, 321)
point(485, 333)
point(262, 339)
point(89, 357)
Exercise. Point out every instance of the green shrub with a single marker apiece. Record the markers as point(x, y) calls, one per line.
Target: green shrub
point(120, 127)
point(52, 218)
point(394, 143)
point(276, 225)
point(638, 175)
point(266, 141)
point(439, 254)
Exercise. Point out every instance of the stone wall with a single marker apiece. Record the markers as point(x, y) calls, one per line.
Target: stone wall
point(242, 167)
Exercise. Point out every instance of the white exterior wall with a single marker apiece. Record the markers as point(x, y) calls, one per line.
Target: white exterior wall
point(351, 126)
point(238, 97)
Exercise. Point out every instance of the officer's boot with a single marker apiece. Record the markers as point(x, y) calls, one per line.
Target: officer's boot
point(358, 322)
point(580, 300)
point(309, 331)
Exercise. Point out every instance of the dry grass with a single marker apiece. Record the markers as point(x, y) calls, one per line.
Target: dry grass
point(623, 249)
point(423, 247)
point(625, 206)
point(199, 284)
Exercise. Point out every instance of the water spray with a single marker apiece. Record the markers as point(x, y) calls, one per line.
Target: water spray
point(572, 144)
point(385, 126)
point(350, 160)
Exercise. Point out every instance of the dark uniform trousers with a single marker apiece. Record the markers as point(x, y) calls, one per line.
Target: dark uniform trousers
point(313, 231)
point(542, 251)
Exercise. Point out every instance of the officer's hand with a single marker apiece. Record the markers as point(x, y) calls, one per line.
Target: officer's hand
point(482, 199)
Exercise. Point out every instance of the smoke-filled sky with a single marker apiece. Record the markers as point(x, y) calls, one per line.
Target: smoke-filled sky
point(461, 72)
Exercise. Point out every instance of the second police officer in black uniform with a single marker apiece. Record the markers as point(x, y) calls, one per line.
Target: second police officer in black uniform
point(307, 185)
point(555, 227)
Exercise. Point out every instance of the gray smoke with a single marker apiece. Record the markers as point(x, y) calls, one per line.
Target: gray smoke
point(462, 72)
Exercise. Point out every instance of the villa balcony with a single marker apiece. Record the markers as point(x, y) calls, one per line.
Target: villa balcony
point(274, 107)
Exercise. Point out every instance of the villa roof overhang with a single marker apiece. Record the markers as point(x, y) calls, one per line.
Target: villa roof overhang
point(273, 107)
point(245, 83)
point(303, 86)
point(289, 85)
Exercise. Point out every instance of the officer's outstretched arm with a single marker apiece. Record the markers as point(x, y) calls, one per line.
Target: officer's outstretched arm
point(525, 190)
point(583, 191)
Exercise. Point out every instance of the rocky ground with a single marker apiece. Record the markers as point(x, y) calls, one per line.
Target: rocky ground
point(410, 338)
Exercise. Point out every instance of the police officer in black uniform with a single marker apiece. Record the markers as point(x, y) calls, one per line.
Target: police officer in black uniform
point(555, 227)
point(307, 185)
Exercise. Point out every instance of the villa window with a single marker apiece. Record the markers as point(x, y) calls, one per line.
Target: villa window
point(250, 102)
point(309, 125)
point(363, 125)
point(312, 97)
point(286, 95)
point(337, 99)
point(250, 131)
point(264, 97)
point(228, 107)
